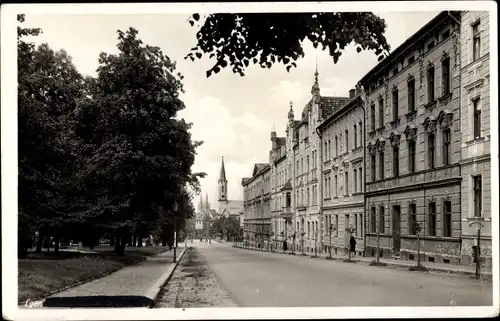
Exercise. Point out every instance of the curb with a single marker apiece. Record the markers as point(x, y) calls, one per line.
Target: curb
point(42, 299)
point(155, 290)
point(484, 275)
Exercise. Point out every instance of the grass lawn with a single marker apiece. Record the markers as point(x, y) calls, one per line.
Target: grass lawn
point(39, 277)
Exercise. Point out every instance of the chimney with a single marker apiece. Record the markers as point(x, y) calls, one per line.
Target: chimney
point(352, 93)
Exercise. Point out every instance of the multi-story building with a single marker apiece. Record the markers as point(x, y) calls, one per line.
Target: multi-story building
point(307, 180)
point(475, 133)
point(281, 202)
point(343, 203)
point(413, 146)
point(257, 197)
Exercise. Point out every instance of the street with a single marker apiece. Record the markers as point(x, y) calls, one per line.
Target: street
point(261, 279)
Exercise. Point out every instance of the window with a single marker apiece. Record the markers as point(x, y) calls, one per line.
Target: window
point(395, 107)
point(476, 42)
point(355, 137)
point(374, 220)
point(447, 219)
point(477, 118)
point(360, 133)
point(431, 45)
point(446, 75)
point(412, 220)
point(373, 116)
point(346, 141)
point(381, 112)
point(430, 84)
point(432, 219)
point(355, 180)
point(411, 60)
point(325, 156)
point(361, 177)
point(325, 192)
point(411, 157)
point(329, 149)
point(307, 162)
point(411, 95)
point(395, 161)
point(381, 221)
point(336, 146)
point(308, 198)
point(382, 163)
point(431, 149)
point(336, 225)
point(446, 147)
point(395, 71)
point(336, 186)
point(373, 168)
point(478, 196)
point(329, 187)
point(346, 175)
point(445, 35)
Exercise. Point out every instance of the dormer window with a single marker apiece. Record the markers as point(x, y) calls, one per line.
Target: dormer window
point(445, 35)
point(431, 45)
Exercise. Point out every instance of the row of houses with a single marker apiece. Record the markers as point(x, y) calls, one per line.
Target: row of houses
point(407, 152)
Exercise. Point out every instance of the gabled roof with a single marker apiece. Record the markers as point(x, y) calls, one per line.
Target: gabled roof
point(244, 180)
point(258, 167)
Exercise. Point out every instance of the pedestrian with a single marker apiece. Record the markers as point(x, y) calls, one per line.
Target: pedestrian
point(353, 245)
point(285, 246)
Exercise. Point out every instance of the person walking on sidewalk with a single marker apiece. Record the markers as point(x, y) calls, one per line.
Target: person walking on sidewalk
point(353, 245)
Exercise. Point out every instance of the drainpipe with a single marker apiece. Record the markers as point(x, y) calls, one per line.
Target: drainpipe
point(320, 185)
point(459, 66)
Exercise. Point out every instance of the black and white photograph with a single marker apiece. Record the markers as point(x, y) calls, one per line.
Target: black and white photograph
point(311, 160)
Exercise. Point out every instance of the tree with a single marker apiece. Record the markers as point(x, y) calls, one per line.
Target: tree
point(238, 40)
point(138, 154)
point(49, 89)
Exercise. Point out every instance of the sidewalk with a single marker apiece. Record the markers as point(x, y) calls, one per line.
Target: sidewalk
point(133, 286)
point(436, 267)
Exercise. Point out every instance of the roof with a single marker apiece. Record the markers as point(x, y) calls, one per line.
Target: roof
point(330, 104)
point(336, 111)
point(442, 17)
point(281, 141)
point(258, 167)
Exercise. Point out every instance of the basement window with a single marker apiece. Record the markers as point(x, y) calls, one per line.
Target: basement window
point(411, 257)
point(431, 259)
point(446, 261)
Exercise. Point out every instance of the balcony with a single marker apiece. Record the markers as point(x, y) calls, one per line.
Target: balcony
point(287, 213)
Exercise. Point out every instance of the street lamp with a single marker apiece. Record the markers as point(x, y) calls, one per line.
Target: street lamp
point(316, 243)
point(332, 228)
point(302, 233)
point(478, 222)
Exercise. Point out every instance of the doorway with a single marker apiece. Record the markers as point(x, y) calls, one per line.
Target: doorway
point(396, 228)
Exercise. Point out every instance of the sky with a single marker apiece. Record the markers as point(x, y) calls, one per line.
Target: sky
point(233, 115)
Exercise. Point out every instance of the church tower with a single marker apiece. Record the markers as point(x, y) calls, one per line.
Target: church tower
point(222, 183)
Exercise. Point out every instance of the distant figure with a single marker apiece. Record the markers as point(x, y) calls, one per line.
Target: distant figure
point(285, 246)
point(353, 245)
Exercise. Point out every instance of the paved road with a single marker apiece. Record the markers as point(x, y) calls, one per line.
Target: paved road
point(260, 279)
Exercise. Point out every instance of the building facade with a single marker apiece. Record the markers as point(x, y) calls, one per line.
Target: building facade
point(475, 134)
point(342, 176)
point(413, 147)
point(257, 211)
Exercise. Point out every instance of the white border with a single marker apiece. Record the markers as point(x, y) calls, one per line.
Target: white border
point(9, 162)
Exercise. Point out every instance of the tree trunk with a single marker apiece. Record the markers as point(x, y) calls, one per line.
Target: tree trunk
point(112, 241)
point(139, 241)
point(39, 244)
point(117, 244)
point(134, 240)
point(163, 242)
point(130, 241)
point(121, 248)
point(56, 244)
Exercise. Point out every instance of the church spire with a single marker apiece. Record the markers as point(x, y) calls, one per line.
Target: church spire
point(222, 171)
point(315, 87)
point(207, 205)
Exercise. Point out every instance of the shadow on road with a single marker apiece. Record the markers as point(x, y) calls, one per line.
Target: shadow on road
point(98, 302)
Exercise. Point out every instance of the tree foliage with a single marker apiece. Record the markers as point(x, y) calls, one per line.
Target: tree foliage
point(228, 227)
point(102, 154)
point(238, 40)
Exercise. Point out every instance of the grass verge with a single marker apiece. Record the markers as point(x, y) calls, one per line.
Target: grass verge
point(40, 277)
